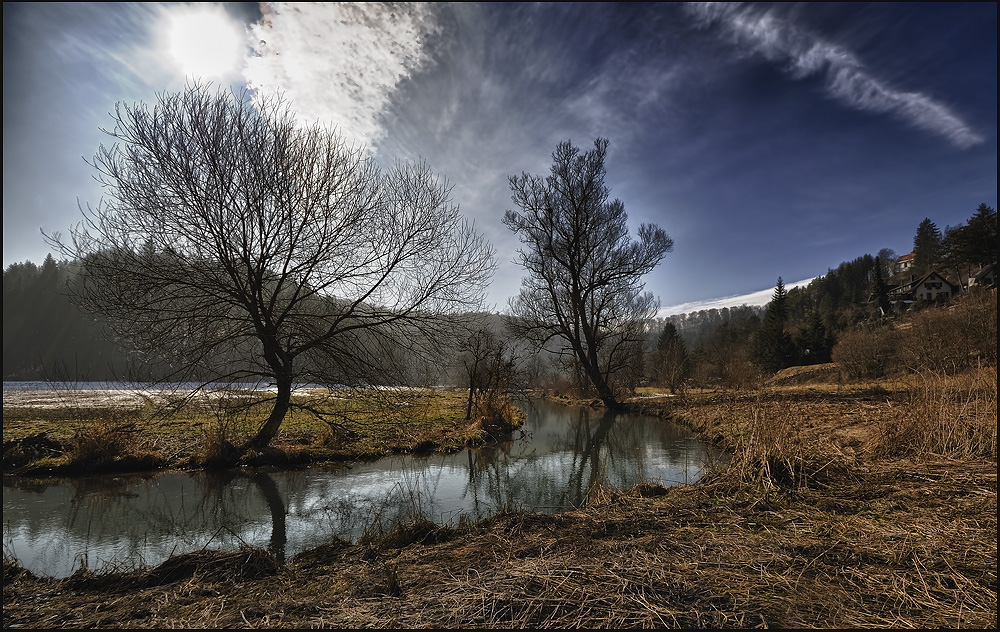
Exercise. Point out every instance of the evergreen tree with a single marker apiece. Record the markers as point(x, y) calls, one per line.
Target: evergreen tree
point(814, 344)
point(981, 238)
point(926, 247)
point(880, 291)
point(772, 348)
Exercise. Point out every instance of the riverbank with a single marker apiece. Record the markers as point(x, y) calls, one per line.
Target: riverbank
point(843, 507)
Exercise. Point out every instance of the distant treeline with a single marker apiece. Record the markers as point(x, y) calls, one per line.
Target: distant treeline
point(46, 337)
point(802, 326)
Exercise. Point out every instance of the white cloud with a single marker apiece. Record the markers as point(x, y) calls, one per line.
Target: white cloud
point(845, 77)
point(339, 63)
point(753, 299)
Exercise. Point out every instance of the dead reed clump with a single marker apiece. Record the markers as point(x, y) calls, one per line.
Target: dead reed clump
point(109, 446)
point(953, 416)
point(767, 449)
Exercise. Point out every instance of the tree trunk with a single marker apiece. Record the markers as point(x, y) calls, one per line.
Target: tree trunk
point(593, 372)
point(270, 427)
point(472, 389)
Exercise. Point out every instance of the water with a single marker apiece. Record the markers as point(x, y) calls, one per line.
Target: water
point(122, 522)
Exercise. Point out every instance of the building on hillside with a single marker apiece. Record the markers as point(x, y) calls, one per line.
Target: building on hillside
point(903, 263)
point(932, 287)
point(985, 277)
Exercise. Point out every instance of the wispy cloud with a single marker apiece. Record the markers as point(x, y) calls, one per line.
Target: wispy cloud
point(339, 63)
point(753, 299)
point(845, 77)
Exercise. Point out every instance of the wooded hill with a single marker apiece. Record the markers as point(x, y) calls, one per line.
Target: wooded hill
point(46, 337)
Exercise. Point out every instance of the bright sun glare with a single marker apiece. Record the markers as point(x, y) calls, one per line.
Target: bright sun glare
point(205, 42)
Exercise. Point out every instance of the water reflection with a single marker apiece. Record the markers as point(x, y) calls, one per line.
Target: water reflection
point(127, 521)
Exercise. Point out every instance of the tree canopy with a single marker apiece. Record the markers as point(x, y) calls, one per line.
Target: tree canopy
point(244, 246)
point(583, 288)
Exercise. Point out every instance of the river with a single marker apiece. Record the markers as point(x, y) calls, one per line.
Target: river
point(123, 522)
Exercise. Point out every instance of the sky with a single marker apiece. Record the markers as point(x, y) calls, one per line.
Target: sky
point(768, 140)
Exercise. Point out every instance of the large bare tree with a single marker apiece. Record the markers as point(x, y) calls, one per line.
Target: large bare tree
point(242, 246)
point(584, 290)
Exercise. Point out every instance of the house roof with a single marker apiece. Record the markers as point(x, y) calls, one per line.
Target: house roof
point(984, 271)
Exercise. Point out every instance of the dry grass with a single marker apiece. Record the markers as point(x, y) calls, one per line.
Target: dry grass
point(90, 431)
point(814, 524)
point(955, 416)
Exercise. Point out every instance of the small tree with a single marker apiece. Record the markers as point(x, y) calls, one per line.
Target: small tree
point(583, 289)
point(242, 247)
point(491, 368)
point(670, 358)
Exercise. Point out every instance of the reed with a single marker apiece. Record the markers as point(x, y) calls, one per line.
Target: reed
point(948, 415)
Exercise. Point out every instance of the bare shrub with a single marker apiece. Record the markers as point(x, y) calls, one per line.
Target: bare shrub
point(110, 445)
point(497, 416)
point(233, 415)
point(976, 315)
point(953, 416)
point(866, 353)
point(952, 339)
point(932, 341)
point(738, 372)
point(767, 448)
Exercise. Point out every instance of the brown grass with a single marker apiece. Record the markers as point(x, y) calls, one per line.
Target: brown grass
point(815, 523)
point(90, 431)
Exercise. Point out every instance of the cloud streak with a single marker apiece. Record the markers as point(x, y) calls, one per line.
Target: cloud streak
point(339, 63)
point(845, 77)
point(754, 299)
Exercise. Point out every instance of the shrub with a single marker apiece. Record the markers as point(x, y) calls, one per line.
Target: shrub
point(111, 446)
point(866, 353)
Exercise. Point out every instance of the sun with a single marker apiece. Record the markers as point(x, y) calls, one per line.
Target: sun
point(205, 42)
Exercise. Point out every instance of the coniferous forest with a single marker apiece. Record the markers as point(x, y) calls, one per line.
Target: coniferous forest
point(46, 337)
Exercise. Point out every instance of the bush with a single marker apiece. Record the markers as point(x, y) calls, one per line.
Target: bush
point(866, 353)
point(111, 446)
point(952, 339)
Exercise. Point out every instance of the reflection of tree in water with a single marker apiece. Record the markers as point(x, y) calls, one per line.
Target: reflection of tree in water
point(144, 519)
point(588, 439)
point(576, 449)
point(279, 530)
point(131, 512)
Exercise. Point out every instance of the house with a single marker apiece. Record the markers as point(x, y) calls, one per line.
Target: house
point(928, 288)
point(903, 263)
point(985, 277)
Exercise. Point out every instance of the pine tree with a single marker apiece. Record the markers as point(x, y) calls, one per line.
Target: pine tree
point(772, 348)
point(926, 247)
point(814, 343)
point(880, 291)
point(981, 238)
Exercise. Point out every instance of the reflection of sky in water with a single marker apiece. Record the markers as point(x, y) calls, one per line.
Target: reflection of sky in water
point(131, 520)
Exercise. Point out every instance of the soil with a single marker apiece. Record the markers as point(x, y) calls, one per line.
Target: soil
point(827, 529)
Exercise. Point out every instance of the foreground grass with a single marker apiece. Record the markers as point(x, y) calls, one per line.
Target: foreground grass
point(75, 433)
point(869, 506)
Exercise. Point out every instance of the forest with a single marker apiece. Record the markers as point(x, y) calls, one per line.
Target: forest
point(48, 338)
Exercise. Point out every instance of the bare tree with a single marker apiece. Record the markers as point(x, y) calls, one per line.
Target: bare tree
point(583, 291)
point(670, 358)
point(242, 246)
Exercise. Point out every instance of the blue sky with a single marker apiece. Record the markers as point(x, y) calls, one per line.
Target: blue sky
point(767, 139)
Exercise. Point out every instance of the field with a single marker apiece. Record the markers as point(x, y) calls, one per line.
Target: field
point(844, 506)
